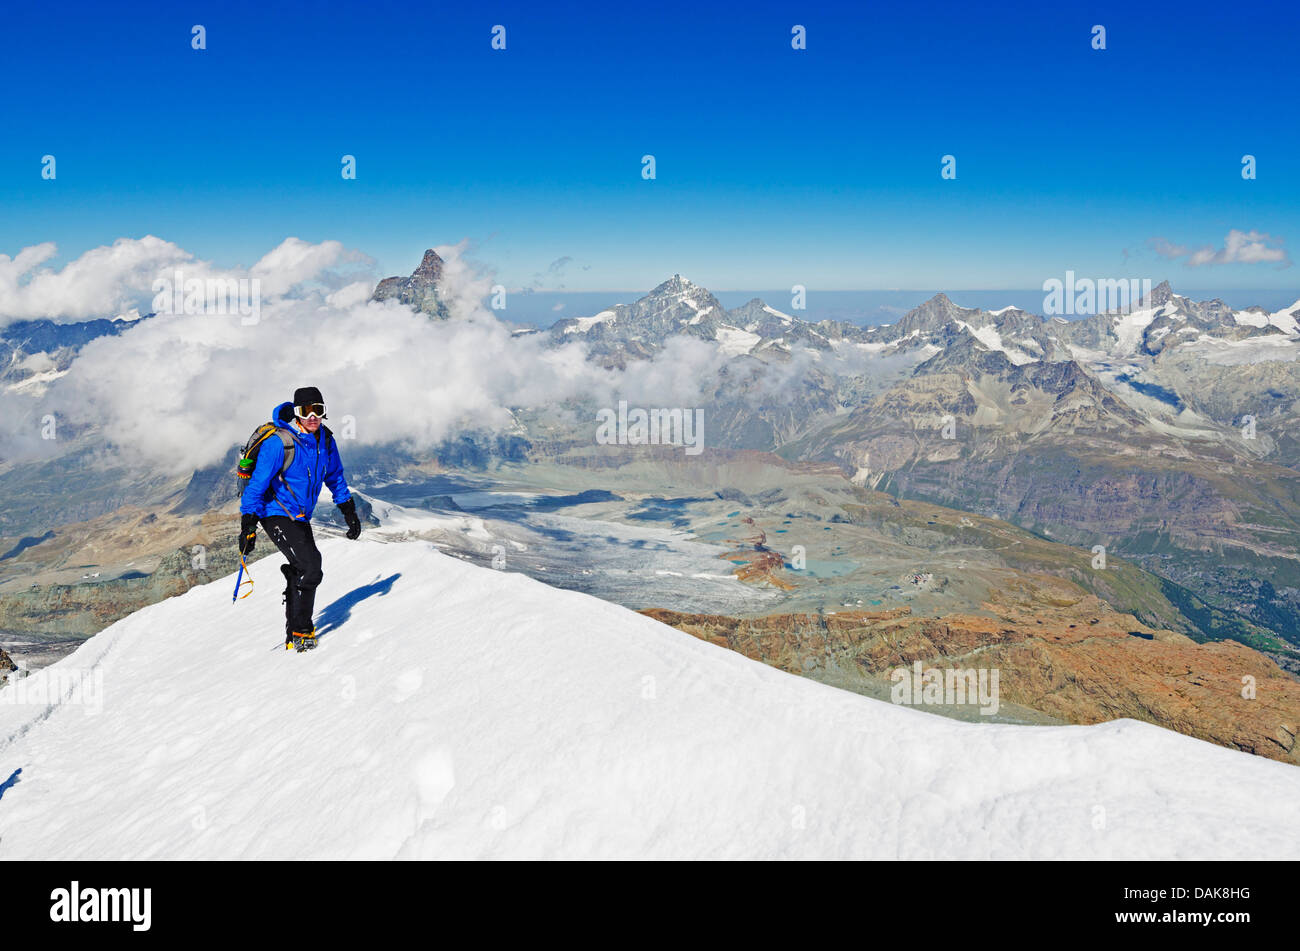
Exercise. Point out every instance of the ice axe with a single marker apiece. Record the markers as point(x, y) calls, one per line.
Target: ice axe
point(239, 581)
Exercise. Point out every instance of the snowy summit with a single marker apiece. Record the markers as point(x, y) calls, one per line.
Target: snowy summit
point(454, 711)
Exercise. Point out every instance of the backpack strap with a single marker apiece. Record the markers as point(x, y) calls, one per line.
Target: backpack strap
point(286, 438)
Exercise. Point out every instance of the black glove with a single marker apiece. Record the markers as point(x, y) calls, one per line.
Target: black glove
point(247, 533)
point(349, 512)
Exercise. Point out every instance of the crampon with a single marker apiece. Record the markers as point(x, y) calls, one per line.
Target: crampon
point(300, 641)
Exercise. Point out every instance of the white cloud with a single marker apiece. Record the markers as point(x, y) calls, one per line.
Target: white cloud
point(102, 282)
point(295, 262)
point(175, 392)
point(119, 278)
point(1239, 247)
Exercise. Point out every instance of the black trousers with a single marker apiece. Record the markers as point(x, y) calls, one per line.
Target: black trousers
point(303, 572)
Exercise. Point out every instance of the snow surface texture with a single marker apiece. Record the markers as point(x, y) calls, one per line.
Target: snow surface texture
point(733, 341)
point(458, 711)
point(989, 336)
point(583, 324)
point(1128, 329)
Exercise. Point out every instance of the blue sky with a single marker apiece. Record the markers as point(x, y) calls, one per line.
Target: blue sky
point(775, 167)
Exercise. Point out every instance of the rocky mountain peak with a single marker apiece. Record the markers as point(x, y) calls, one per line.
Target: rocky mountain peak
point(675, 285)
point(1160, 295)
point(420, 290)
point(934, 314)
point(430, 269)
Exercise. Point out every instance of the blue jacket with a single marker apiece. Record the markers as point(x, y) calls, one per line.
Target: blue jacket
point(315, 462)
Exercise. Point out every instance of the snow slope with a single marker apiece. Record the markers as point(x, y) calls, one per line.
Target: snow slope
point(992, 339)
point(583, 324)
point(460, 711)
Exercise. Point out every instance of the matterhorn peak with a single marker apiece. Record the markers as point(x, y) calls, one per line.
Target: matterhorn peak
point(430, 268)
point(420, 290)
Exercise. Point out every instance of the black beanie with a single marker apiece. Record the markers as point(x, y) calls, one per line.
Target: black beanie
point(306, 395)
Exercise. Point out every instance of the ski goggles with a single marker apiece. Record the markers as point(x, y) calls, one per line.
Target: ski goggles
point(310, 410)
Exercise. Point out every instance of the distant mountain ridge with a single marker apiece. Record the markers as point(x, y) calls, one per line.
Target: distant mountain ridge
point(678, 306)
point(33, 352)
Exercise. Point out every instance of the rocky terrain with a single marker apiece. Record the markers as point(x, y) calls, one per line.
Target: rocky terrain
point(87, 576)
point(1070, 657)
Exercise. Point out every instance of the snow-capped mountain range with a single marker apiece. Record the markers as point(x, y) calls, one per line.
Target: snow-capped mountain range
point(678, 306)
point(35, 352)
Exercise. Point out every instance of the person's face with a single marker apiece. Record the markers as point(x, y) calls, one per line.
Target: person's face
point(311, 424)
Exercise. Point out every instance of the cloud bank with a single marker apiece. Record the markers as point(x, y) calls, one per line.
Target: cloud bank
point(119, 279)
point(175, 392)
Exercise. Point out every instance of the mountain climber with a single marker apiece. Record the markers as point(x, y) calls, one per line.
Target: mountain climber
point(283, 503)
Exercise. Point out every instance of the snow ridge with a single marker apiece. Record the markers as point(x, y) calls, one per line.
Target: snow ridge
point(456, 711)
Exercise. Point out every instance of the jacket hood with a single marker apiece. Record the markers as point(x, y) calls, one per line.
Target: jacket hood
point(282, 415)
